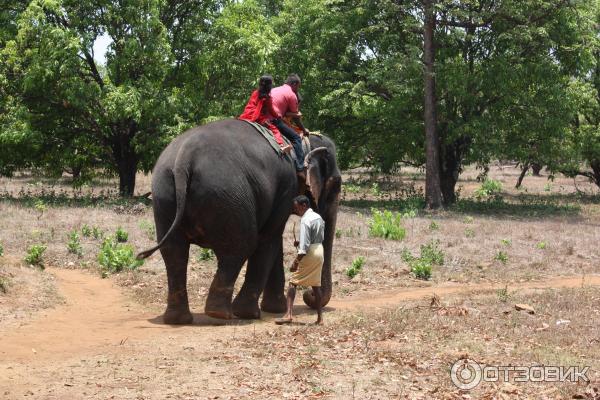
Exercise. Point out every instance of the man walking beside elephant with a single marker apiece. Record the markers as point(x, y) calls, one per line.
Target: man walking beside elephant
point(306, 269)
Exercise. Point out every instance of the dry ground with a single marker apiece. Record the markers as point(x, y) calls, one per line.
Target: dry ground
point(403, 350)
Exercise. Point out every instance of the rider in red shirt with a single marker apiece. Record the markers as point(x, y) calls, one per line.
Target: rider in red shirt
point(260, 109)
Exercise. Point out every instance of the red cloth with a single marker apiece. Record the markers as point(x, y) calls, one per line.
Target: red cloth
point(261, 110)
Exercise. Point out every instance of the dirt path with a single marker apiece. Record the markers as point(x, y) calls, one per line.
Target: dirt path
point(392, 297)
point(97, 314)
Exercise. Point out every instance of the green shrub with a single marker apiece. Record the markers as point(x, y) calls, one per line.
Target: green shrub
point(387, 225)
point(502, 257)
point(338, 233)
point(356, 267)
point(41, 207)
point(3, 284)
point(1, 250)
point(351, 188)
point(433, 226)
point(205, 254)
point(115, 257)
point(86, 231)
point(540, 245)
point(375, 190)
point(35, 255)
point(121, 235)
point(73, 245)
point(406, 255)
point(489, 190)
point(97, 233)
point(506, 242)
point(469, 233)
point(431, 253)
point(421, 268)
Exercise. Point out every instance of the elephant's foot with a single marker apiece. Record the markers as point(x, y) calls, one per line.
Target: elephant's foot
point(178, 316)
point(217, 308)
point(246, 308)
point(273, 304)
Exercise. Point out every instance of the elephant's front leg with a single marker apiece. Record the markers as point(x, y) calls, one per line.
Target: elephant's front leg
point(175, 255)
point(260, 264)
point(218, 302)
point(273, 298)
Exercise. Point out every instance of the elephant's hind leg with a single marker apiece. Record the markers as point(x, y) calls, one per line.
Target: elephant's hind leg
point(260, 264)
point(218, 302)
point(175, 255)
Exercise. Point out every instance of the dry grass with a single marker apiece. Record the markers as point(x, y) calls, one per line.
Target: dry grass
point(403, 352)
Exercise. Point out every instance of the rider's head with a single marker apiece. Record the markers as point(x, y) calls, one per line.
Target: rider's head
point(265, 83)
point(294, 81)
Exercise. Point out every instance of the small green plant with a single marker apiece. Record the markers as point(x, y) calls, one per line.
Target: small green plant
point(503, 294)
point(41, 207)
point(501, 256)
point(338, 233)
point(541, 245)
point(470, 233)
point(1, 250)
point(433, 226)
point(489, 190)
point(468, 220)
point(115, 257)
point(86, 231)
point(406, 255)
point(351, 188)
point(387, 225)
point(205, 254)
point(35, 255)
point(74, 245)
point(97, 233)
point(356, 267)
point(547, 187)
point(506, 242)
point(375, 190)
point(148, 228)
point(431, 253)
point(3, 284)
point(421, 269)
point(121, 235)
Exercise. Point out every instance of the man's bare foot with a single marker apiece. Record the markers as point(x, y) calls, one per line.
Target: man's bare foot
point(284, 320)
point(287, 149)
point(319, 322)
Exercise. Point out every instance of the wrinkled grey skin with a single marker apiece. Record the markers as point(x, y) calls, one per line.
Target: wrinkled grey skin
point(221, 186)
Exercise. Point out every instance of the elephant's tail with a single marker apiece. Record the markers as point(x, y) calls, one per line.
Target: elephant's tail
point(180, 178)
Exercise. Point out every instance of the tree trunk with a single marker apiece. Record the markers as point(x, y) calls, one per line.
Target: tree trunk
point(536, 169)
point(127, 162)
point(595, 164)
point(451, 168)
point(524, 170)
point(433, 193)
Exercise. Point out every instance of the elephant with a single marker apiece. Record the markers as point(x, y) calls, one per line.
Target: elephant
point(222, 186)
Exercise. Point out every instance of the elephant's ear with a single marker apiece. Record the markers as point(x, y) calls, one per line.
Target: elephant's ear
point(317, 175)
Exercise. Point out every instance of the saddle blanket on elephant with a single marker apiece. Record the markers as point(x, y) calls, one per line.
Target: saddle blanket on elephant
point(267, 134)
point(310, 267)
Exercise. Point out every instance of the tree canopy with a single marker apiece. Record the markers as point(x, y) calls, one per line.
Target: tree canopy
point(511, 79)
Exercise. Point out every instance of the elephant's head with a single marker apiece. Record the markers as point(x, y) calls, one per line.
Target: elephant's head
point(324, 182)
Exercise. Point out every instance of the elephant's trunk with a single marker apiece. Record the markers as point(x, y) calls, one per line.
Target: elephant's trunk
point(330, 218)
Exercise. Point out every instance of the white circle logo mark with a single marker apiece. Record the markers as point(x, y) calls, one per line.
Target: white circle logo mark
point(465, 374)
